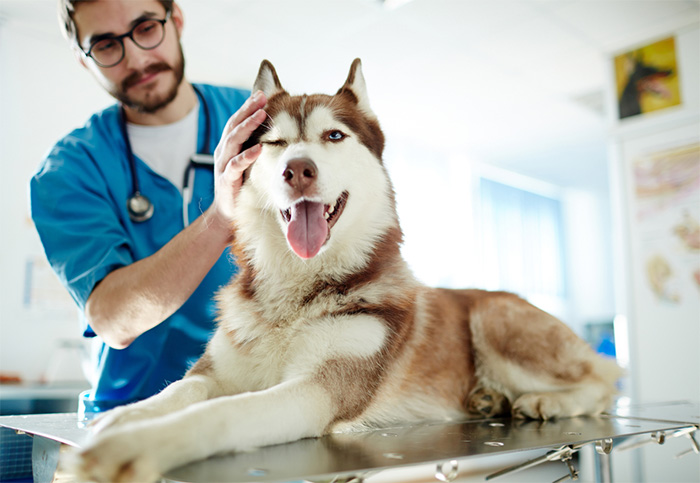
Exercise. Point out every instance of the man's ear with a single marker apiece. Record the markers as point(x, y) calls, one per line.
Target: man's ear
point(178, 19)
point(80, 57)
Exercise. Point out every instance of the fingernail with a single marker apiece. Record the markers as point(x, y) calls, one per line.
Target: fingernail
point(257, 95)
point(253, 151)
point(253, 148)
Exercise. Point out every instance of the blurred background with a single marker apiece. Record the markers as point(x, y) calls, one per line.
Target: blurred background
point(514, 165)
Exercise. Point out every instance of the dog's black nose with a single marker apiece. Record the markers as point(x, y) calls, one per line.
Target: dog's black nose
point(300, 173)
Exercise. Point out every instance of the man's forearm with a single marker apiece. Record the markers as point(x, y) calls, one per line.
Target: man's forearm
point(135, 298)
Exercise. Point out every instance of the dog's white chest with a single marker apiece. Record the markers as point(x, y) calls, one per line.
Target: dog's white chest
point(300, 347)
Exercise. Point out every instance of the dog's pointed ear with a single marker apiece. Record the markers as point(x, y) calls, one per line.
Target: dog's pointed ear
point(355, 84)
point(267, 80)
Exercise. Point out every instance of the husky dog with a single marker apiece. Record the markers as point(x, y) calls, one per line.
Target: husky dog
point(325, 329)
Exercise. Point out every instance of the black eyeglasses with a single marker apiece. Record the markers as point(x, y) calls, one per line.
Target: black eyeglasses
point(109, 51)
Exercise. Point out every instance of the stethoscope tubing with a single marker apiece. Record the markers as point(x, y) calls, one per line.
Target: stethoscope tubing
point(198, 160)
point(140, 208)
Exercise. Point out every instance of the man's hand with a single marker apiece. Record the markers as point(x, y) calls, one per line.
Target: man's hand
point(229, 161)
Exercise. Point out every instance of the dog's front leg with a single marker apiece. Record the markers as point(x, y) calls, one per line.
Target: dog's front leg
point(178, 395)
point(142, 451)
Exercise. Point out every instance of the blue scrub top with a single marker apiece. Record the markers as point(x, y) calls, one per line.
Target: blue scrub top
point(78, 204)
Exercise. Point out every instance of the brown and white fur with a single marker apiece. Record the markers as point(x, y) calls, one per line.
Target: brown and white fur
point(325, 329)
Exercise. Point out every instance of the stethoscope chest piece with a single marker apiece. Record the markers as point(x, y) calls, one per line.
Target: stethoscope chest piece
point(140, 207)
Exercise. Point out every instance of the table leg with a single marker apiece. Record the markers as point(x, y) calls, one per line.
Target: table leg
point(44, 459)
point(603, 468)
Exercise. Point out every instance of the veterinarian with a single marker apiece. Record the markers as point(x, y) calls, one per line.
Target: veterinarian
point(141, 256)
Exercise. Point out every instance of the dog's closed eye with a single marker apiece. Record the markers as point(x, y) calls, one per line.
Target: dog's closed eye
point(275, 142)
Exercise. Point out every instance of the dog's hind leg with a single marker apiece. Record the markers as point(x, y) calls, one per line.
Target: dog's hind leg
point(537, 361)
point(487, 403)
point(589, 398)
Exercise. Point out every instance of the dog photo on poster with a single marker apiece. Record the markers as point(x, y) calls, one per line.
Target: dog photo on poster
point(647, 79)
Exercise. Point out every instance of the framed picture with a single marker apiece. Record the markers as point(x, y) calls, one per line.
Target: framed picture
point(647, 79)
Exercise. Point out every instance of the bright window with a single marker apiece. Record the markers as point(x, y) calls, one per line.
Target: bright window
point(522, 244)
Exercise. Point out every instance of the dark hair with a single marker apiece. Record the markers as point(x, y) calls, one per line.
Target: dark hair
point(66, 10)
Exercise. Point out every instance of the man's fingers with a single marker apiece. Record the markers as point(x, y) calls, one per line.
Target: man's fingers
point(230, 145)
point(234, 167)
point(246, 158)
point(254, 103)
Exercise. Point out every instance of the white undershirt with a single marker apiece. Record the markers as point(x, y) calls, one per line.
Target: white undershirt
point(167, 149)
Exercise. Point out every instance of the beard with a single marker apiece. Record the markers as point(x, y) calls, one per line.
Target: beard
point(151, 102)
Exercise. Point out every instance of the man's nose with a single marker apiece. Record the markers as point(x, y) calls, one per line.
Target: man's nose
point(134, 56)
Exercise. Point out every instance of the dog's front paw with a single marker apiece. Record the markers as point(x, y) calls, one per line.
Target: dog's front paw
point(120, 416)
point(537, 406)
point(117, 457)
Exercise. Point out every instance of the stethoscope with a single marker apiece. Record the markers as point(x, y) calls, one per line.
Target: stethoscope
point(140, 208)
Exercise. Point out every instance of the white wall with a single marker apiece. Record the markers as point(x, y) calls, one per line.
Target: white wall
point(43, 94)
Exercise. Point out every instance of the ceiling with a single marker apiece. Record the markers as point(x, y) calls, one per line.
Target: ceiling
point(519, 84)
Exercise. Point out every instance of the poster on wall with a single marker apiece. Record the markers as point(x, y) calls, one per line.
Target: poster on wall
point(647, 79)
point(667, 220)
point(43, 295)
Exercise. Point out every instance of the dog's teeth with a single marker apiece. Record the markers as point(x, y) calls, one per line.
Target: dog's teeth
point(331, 209)
point(326, 215)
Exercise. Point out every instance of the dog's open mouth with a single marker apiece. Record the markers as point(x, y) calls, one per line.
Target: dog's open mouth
point(309, 224)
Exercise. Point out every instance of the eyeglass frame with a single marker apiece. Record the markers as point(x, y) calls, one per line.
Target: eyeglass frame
point(129, 34)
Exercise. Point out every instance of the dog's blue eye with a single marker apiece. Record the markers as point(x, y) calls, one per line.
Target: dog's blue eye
point(336, 136)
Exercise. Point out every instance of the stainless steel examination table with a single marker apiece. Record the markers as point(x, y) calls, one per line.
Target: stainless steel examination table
point(447, 445)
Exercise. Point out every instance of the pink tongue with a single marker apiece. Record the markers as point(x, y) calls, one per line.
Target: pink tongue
point(308, 230)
